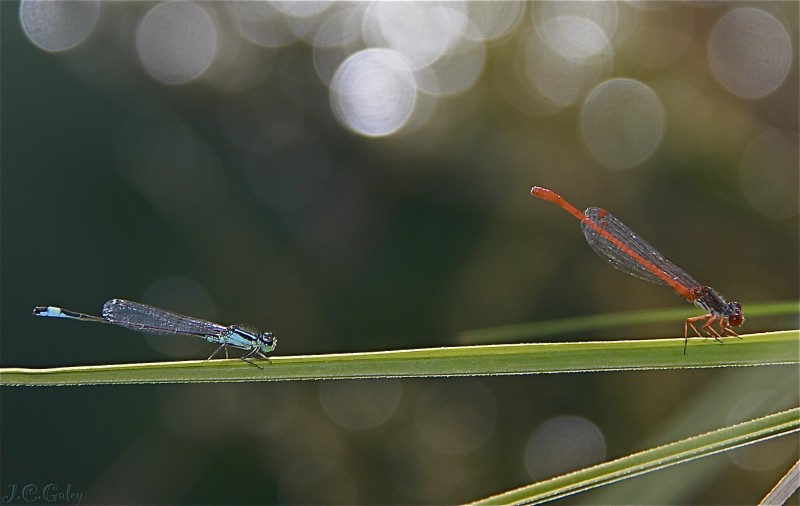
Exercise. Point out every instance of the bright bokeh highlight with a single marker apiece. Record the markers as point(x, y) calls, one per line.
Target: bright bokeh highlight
point(176, 42)
point(374, 91)
point(622, 123)
point(750, 52)
point(56, 25)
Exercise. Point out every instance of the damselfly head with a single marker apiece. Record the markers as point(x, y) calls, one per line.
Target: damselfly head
point(267, 342)
point(734, 314)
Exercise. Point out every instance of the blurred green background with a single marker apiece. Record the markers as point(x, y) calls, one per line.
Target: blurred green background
point(355, 177)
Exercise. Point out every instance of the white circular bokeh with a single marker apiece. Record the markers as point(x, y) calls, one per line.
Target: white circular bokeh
point(176, 42)
point(622, 123)
point(55, 25)
point(373, 92)
point(750, 52)
point(563, 444)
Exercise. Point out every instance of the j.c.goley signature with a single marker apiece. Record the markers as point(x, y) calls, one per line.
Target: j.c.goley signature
point(32, 493)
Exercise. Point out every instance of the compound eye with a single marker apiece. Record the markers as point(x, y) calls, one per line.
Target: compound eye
point(268, 338)
point(735, 317)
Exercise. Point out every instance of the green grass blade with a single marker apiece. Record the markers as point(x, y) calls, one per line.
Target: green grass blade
point(526, 331)
point(754, 349)
point(728, 438)
point(715, 402)
point(785, 487)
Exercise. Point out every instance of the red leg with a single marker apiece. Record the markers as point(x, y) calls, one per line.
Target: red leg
point(707, 330)
point(725, 329)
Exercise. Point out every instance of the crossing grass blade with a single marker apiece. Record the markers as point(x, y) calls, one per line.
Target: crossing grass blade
point(565, 326)
point(724, 439)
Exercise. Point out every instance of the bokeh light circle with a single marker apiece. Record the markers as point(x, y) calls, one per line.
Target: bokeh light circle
point(574, 37)
point(622, 123)
point(559, 80)
point(750, 52)
point(420, 31)
point(563, 444)
point(176, 42)
point(457, 70)
point(495, 19)
point(55, 25)
point(360, 405)
point(261, 23)
point(373, 92)
point(337, 37)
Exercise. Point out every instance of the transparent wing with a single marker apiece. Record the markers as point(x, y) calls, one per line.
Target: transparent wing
point(622, 259)
point(137, 316)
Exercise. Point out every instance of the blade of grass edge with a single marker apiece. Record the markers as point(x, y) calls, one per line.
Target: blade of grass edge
point(531, 330)
point(487, 360)
point(785, 487)
point(715, 402)
point(720, 440)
